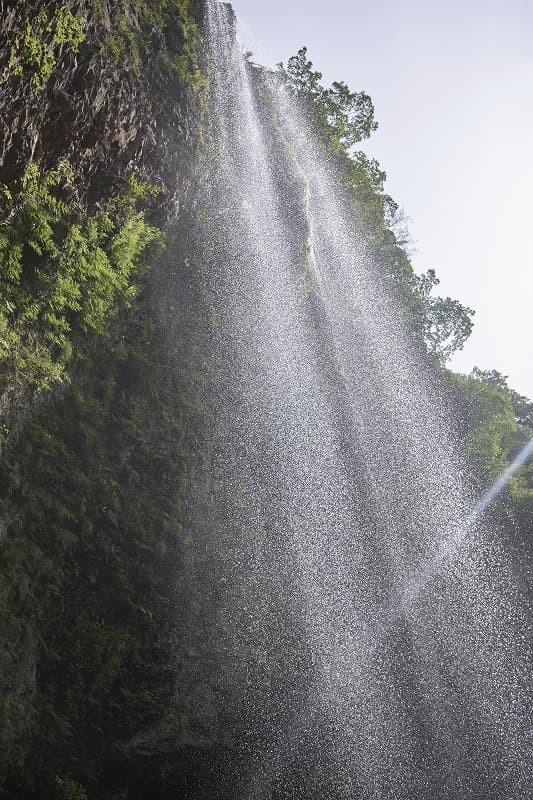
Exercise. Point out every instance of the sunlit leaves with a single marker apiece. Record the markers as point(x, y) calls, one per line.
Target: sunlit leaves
point(37, 46)
point(447, 323)
point(64, 273)
point(343, 117)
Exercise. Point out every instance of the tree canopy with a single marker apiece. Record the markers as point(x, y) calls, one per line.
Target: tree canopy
point(346, 116)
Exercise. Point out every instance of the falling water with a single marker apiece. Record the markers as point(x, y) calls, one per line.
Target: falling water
point(450, 544)
point(353, 652)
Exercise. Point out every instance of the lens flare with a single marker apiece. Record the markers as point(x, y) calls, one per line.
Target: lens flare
point(502, 481)
point(454, 540)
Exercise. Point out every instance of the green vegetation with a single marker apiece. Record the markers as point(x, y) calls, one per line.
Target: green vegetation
point(141, 30)
point(36, 48)
point(138, 29)
point(100, 432)
point(65, 274)
point(340, 119)
point(86, 561)
point(446, 324)
point(68, 789)
point(496, 423)
point(97, 484)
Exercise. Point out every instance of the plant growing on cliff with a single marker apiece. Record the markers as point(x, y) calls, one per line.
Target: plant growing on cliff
point(339, 119)
point(343, 117)
point(166, 26)
point(65, 274)
point(68, 789)
point(41, 39)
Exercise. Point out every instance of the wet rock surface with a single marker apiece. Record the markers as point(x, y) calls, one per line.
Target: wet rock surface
point(106, 113)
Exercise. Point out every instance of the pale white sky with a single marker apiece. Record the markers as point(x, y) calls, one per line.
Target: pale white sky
point(452, 84)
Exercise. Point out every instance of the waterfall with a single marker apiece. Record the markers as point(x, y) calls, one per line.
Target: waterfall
point(335, 481)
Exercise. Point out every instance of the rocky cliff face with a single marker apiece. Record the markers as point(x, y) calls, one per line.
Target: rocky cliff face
point(126, 97)
point(97, 456)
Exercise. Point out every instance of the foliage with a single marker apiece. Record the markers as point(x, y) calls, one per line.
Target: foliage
point(68, 789)
point(64, 273)
point(160, 22)
point(35, 49)
point(341, 118)
point(92, 474)
point(97, 479)
point(446, 323)
point(344, 117)
point(496, 423)
point(139, 29)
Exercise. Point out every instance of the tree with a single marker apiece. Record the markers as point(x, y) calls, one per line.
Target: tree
point(340, 118)
point(343, 117)
point(447, 323)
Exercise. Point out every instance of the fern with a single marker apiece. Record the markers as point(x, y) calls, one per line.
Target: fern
point(37, 46)
point(64, 275)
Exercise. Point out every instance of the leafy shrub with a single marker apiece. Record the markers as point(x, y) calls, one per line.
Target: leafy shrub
point(342, 117)
point(155, 19)
point(64, 274)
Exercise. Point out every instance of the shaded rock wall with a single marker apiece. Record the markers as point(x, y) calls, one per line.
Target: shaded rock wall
point(94, 473)
point(114, 105)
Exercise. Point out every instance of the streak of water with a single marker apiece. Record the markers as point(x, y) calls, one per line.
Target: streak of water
point(451, 544)
point(503, 480)
point(337, 490)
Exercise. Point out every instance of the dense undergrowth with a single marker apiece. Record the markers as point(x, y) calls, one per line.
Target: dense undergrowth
point(97, 427)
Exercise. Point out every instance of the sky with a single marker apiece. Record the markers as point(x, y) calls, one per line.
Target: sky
point(452, 85)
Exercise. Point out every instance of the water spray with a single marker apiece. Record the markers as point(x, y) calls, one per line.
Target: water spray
point(454, 540)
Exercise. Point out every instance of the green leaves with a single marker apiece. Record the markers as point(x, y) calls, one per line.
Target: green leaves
point(447, 324)
point(497, 423)
point(64, 273)
point(137, 32)
point(37, 47)
point(342, 117)
point(68, 789)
